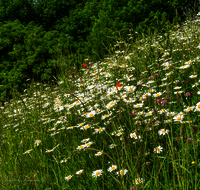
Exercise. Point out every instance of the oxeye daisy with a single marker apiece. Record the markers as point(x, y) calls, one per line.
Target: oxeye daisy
point(163, 132)
point(178, 87)
point(105, 116)
point(37, 142)
point(113, 167)
point(28, 151)
point(119, 134)
point(51, 150)
point(149, 113)
point(133, 135)
point(91, 114)
point(99, 130)
point(99, 153)
point(81, 147)
point(137, 181)
point(189, 108)
point(193, 76)
point(68, 177)
point(108, 75)
point(85, 140)
point(52, 129)
point(112, 146)
point(79, 172)
point(97, 173)
point(158, 149)
point(156, 122)
point(88, 144)
point(122, 172)
point(198, 106)
point(85, 127)
point(130, 88)
point(138, 105)
point(70, 127)
point(157, 94)
point(63, 161)
point(178, 118)
point(179, 92)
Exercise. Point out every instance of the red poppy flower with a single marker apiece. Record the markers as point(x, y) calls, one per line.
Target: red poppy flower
point(118, 85)
point(84, 65)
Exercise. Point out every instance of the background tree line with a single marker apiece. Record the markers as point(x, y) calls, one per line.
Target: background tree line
point(33, 35)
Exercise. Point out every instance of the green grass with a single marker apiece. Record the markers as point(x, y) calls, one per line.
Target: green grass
point(136, 113)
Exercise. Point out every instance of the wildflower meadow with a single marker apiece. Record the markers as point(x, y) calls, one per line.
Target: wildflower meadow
point(128, 122)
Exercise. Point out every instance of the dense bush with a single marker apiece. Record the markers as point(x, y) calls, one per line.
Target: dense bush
point(28, 52)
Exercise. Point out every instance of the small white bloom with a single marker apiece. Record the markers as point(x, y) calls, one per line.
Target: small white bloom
point(68, 177)
point(163, 132)
point(158, 149)
point(97, 173)
point(113, 167)
point(122, 172)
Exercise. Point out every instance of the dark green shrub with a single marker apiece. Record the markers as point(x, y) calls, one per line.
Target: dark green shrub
point(28, 52)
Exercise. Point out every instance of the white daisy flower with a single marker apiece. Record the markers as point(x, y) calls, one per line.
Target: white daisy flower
point(99, 153)
point(137, 181)
point(133, 135)
point(163, 132)
point(79, 172)
point(158, 149)
point(122, 172)
point(81, 147)
point(91, 114)
point(97, 173)
point(28, 151)
point(99, 130)
point(178, 118)
point(112, 146)
point(193, 76)
point(88, 144)
point(113, 167)
point(68, 177)
point(157, 94)
point(198, 106)
point(85, 140)
point(149, 114)
point(138, 105)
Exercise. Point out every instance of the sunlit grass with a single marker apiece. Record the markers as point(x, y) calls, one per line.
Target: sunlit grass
point(130, 121)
